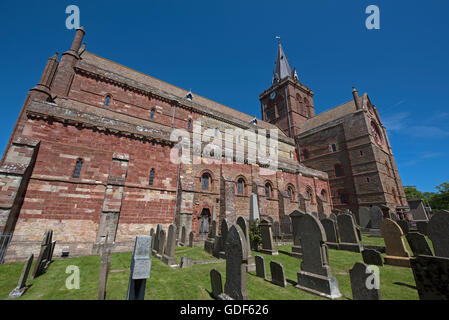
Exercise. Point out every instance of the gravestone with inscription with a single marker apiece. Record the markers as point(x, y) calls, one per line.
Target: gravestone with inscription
point(140, 268)
point(349, 238)
point(397, 253)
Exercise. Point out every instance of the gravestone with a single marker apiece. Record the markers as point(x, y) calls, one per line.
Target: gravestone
point(418, 243)
point(376, 217)
point(186, 262)
point(152, 238)
point(331, 233)
point(372, 256)
point(224, 234)
point(431, 277)
point(397, 254)
point(404, 226)
point(286, 226)
point(276, 230)
point(216, 284)
point(422, 227)
point(217, 247)
point(169, 253)
point(21, 285)
point(191, 238)
point(140, 268)
point(277, 274)
point(295, 217)
point(260, 267)
point(105, 254)
point(161, 244)
point(42, 259)
point(315, 214)
point(209, 243)
point(183, 236)
point(349, 238)
point(315, 275)
point(417, 210)
point(253, 208)
point(250, 263)
point(360, 276)
point(235, 247)
point(155, 247)
point(50, 255)
point(267, 238)
point(365, 217)
point(438, 232)
point(333, 216)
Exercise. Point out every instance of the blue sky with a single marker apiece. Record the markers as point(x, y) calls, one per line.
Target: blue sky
point(225, 50)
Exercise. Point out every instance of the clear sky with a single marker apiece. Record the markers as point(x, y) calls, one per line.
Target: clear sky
point(225, 51)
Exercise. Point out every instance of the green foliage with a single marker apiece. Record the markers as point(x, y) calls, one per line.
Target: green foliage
point(254, 233)
point(412, 193)
point(437, 200)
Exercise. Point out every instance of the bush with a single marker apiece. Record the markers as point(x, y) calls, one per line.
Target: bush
point(254, 234)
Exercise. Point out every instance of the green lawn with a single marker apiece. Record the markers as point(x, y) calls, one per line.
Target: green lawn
point(194, 282)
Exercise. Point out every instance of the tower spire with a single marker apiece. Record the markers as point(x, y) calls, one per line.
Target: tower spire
point(282, 69)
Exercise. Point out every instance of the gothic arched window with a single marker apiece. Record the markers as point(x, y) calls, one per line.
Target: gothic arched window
point(268, 190)
point(241, 186)
point(107, 101)
point(205, 181)
point(291, 193)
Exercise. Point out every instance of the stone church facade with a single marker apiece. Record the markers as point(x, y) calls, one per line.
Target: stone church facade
point(89, 156)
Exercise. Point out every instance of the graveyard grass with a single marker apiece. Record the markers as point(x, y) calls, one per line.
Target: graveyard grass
point(193, 283)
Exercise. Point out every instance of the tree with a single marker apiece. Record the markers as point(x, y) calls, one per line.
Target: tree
point(412, 193)
point(440, 200)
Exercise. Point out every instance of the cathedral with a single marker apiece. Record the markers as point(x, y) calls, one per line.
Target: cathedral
point(90, 156)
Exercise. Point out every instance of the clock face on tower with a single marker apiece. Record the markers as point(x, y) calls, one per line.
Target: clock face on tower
point(273, 95)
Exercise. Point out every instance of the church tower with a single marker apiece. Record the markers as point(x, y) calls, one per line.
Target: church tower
point(287, 103)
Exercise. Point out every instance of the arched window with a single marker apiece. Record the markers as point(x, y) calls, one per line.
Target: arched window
point(324, 195)
point(240, 186)
point(150, 181)
point(339, 170)
point(78, 166)
point(205, 181)
point(268, 190)
point(291, 193)
point(152, 113)
point(309, 194)
point(107, 101)
point(189, 124)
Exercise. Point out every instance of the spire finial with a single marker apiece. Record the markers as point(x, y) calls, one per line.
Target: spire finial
point(279, 39)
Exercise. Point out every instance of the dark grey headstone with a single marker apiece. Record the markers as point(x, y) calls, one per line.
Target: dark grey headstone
point(422, 227)
point(315, 275)
point(224, 230)
point(365, 217)
point(260, 267)
point(431, 277)
point(191, 237)
point(295, 217)
point(140, 268)
point(376, 217)
point(216, 283)
point(330, 229)
point(155, 247)
point(21, 285)
point(365, 283)
point(42, 259)
point(267, 238)
point(169, 252)
point(161, 243)
point(349, 238)
point(438, 232)
point(105, 254)
point(404, 226)
point(372, 257)
point(277, 274)
point(183, 236)
point(333, 216)
point(235, 247)
point(217, 247)
point(418, 243)
point(243, 223)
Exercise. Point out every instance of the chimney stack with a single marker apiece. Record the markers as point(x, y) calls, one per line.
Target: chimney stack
point(355, 95)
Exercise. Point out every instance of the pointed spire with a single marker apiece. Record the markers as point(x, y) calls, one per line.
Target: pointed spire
point(282, 69)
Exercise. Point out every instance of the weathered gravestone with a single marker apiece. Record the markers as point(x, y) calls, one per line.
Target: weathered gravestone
point(21, 285)
point(286, 226)
point(418, 243)
point(161, 244)
point(431, 277)
point(235, 247)
point(224, 229)
point(422, 227)
point(182, 242)
point(41, 262)
point(253, 208)
point(365, 218)
point(438, 232)
point(216, 284)
point(155, 247)
point(331, 233)
point(349, 238)
point(397, 254)
point(140, 268)
point(191, 238)
point(250, 263)
point(315, 275)
point(209, 243)
point(169, 253)
point(267, 238)
point(333, 216)
point(276, 227)
point(365, 283)
point(404, 226)
point(417, 210)
point(217, 247)
point(277, 274)
point(372, 256)
point(295, 216)
point(376, 217)
point(105, 254)
point(152, 238)
point(260, 267)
